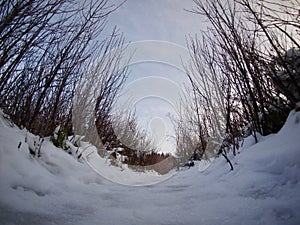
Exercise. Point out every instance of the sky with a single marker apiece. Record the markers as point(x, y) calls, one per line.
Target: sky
point(156, 30)
point(165, 20)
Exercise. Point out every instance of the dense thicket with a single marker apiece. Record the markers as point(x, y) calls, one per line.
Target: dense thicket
point(244, 69)
point(58, 68)
point(45, 47)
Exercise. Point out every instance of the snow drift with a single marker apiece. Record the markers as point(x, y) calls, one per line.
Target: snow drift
point(264, 187)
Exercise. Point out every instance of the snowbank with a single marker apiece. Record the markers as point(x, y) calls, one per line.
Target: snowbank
point(264, 187)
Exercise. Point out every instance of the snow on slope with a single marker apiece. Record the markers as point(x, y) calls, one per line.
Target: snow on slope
point(264, 187)
point(121, 175)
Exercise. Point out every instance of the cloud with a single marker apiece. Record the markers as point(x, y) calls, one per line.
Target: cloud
point(158, 20)
point(164, 20)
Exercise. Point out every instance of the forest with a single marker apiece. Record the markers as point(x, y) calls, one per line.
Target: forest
point(59, 70)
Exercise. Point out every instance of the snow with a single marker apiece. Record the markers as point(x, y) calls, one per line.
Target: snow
point(292, 53)
point(263, 188)
point(121, 174)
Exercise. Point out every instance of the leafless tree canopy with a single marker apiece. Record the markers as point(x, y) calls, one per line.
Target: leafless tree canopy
point(244, 67)
point(45, 46)
point(58, 68)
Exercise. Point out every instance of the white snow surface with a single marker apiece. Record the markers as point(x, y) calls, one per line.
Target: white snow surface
point(263, 188)
point(121, 174)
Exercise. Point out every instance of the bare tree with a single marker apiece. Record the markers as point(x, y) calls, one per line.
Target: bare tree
point(233, 70)
point(279, 25)
point(97, 91)
point(130, 135)
point(44, 47)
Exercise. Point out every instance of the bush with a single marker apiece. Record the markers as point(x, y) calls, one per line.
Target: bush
point(59, 137)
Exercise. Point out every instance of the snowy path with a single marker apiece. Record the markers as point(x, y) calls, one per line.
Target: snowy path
point(122, 175)
point(263, 189)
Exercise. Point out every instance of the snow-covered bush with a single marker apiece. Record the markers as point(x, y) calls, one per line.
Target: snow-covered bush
point(34, 143)
point(286, 75)
point(59, 137)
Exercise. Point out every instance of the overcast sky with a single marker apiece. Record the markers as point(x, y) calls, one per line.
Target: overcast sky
point(156, 20)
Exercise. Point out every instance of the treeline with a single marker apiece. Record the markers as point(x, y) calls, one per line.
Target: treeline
point(144, 158)
point(143, 161)
point(244, 71)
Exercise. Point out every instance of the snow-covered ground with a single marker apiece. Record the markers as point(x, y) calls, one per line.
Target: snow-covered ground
point(264, 187)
